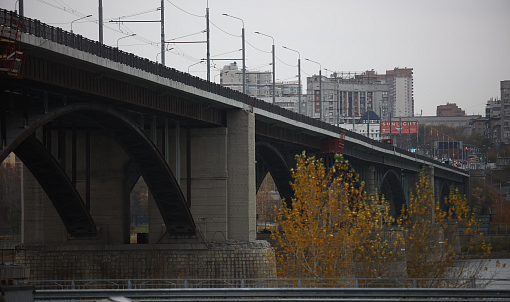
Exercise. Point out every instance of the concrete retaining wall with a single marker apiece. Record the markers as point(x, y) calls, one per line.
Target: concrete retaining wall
point(219, 260)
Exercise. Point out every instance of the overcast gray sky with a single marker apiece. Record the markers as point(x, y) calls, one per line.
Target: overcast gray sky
point(459, 50)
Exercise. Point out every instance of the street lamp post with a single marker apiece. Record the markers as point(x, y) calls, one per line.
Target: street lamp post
point(194, 64)
point(274, 72)
point(124, 38)
point(244, 66)
point(78, 20)
point(299, 76)
point(338, 98)
point(320, 87)
point(168, 49)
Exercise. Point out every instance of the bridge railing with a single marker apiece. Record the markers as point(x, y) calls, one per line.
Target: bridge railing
point(58, 35)
point(268, 283)
point(279, 294)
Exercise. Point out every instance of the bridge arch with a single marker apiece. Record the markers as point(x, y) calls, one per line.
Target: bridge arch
point(58, 187)
point(271, 160)
point(391, 188)
point(137, 145)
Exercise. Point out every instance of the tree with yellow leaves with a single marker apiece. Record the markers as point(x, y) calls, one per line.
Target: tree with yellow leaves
point(333, 228)
point(431, 237)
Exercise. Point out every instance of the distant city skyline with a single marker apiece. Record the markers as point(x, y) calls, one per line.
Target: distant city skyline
point(458, 49)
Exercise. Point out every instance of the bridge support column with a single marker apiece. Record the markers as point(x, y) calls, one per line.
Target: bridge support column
point(110, 189)
point(370, 181)
point(241, 175)
point(434, 184)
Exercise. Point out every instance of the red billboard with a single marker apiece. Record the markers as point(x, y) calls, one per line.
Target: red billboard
point(406, 127)
point(317, 99)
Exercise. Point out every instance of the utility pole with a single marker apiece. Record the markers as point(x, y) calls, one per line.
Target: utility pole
point(390, 128)
point(409, 137)
point(400, 130)
point(299, 76)
point(163, 32)
point(352, 110)
point(208, 44)
point(380, 122)
point(337, 103)
point(101, 21)
point(320, 92)
point(21, 13)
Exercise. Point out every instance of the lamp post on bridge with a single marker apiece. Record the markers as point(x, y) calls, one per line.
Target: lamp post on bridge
point(299, 76)
point(168, 49)
point(194, 64)
point(131, 35)
point(274, 70)
point(320, 87)
point(78, 20)
point(244, 66)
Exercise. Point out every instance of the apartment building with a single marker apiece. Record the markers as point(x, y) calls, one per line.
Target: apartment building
point(505, 110)
point(259, 84)
point(345, 95)
point(450, 109)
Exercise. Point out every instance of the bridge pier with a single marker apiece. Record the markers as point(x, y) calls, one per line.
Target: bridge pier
point(241, 175)
point(223, 193)
point(370, 180)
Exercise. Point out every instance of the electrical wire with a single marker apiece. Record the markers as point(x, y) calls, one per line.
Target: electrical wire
point(126, 30)
point(305, 73)
point(223, 30)
point(256, 47)
point(63, 4)
point(184, 10)
point(61, 8)
point(285, 63)
point(260, 66)
point(200, 32)
point(226, 53)
point(135, 14)
point(293, 77)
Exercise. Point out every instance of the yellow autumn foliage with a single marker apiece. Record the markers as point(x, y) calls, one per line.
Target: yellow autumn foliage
point(333, 229)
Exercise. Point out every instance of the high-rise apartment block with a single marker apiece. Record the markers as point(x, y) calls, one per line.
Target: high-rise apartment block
point(497, 116)
point(505, 110)
point(344, 95)
point(347, 95)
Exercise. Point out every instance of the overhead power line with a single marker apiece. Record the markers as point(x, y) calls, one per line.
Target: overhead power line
point(184, 10)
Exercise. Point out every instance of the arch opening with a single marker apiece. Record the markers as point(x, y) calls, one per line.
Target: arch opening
point(139, 212)
point(270, 160)
point(268, 198)
point(443, 194)
point(392, 190)
point(158, 176)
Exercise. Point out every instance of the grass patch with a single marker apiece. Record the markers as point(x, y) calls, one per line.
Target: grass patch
point(135, 229)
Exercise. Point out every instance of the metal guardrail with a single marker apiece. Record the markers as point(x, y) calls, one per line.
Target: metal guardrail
point(270, 294)
point(58, 35)
point(117, 284)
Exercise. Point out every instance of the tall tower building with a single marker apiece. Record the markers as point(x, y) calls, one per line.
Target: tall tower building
point(401, 98)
